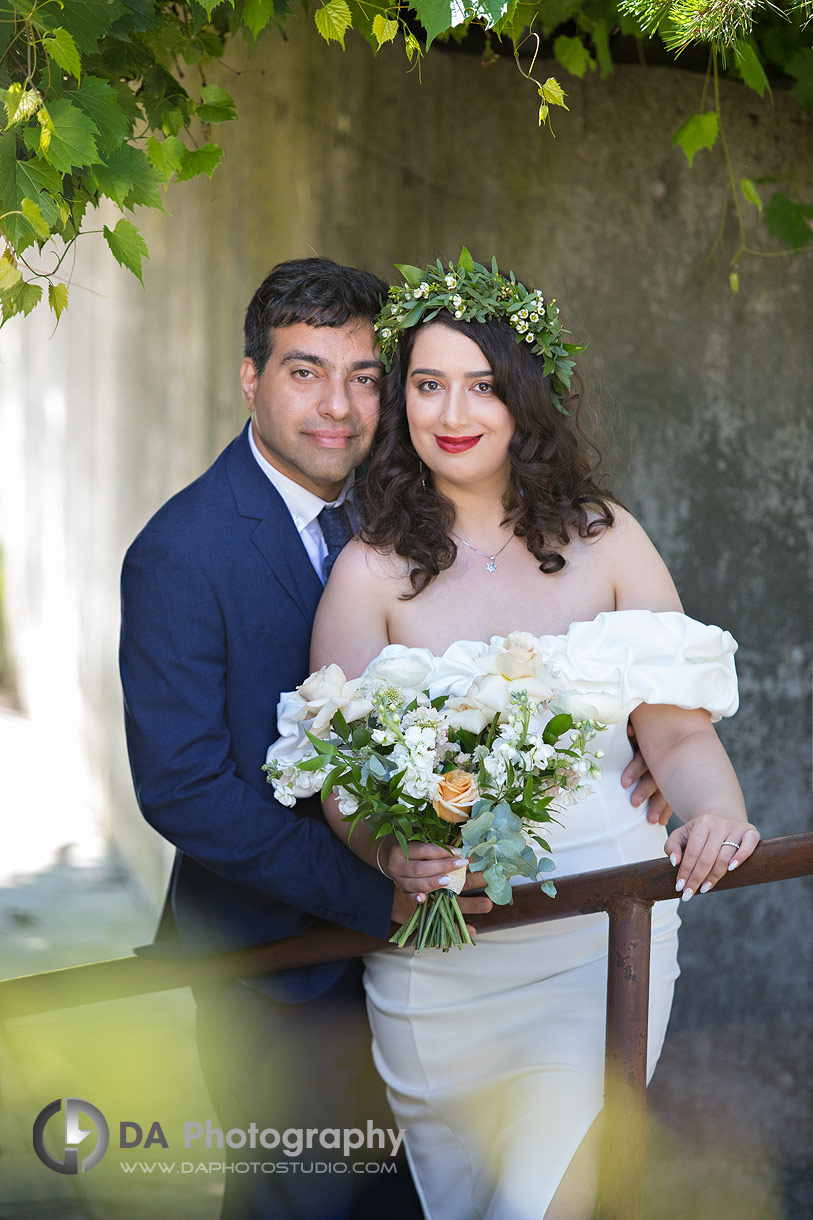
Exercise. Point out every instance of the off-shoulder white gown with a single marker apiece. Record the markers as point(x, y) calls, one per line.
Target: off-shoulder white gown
point(494, 1056)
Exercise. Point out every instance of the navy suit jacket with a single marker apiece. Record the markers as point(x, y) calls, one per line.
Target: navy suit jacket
point(218, 599)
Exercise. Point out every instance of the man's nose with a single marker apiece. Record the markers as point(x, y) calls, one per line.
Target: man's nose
point(336, 402)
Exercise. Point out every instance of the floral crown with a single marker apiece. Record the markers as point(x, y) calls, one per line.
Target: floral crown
point(469, 291)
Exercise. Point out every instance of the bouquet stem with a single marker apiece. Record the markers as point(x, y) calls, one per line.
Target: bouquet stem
point(438, 924)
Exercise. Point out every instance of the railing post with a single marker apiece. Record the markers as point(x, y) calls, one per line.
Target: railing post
point(622, 1151)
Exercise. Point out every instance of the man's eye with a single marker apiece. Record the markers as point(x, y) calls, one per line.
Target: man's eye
point(303, 374)
point(366, 379)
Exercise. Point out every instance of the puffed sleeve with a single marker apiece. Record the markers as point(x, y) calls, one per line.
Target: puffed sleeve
point(626, 657)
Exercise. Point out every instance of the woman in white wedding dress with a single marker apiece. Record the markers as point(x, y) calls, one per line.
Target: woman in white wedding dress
point(483, 518)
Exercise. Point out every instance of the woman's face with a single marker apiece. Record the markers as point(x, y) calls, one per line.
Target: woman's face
point(459, 428)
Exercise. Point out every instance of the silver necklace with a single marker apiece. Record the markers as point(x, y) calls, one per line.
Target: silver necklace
point(491, 560)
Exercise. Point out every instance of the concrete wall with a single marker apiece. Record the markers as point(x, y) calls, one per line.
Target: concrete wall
point(704, 397)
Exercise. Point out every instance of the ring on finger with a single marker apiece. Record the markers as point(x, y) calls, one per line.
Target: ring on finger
point(728, 843)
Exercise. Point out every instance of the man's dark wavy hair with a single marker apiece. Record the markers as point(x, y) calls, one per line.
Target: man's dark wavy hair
point(312, 290)
point(552, 491)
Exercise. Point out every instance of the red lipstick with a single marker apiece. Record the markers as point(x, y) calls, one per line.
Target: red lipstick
point(456, 444)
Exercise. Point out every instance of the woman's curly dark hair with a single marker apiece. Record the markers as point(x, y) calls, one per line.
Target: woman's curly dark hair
point(552, 490)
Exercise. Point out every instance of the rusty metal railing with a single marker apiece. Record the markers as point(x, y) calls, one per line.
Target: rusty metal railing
point(627, 894)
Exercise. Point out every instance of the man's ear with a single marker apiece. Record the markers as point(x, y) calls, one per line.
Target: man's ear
point(248, 381)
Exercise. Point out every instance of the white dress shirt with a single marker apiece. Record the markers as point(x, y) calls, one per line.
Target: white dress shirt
point(303, 505)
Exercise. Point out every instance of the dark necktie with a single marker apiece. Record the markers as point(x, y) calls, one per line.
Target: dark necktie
point(336, 532)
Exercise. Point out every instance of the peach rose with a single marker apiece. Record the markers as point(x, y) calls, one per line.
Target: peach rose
point(456, 793)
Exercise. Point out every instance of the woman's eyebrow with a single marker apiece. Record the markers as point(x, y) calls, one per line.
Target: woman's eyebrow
point(440, 373)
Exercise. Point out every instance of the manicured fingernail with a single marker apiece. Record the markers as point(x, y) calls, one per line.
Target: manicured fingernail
point(420, 897)
point(673, 859)
point(705, 887)
point(680, 884)
point(444, 880)
point(733, 865)
point(459, 863)
point(626, 782)
point(686, 895)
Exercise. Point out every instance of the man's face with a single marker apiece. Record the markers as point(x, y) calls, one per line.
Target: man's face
point(315, 405)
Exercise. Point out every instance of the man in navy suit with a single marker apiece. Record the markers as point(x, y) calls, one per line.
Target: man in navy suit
point(219, 591)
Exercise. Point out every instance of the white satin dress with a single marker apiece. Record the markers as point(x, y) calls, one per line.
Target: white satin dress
point(493, 1056)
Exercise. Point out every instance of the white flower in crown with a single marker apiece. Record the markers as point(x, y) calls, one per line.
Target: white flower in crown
point(451, 282)
point(326, 692)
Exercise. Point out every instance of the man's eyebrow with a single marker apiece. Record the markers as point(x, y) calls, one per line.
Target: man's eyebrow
point(300, 356)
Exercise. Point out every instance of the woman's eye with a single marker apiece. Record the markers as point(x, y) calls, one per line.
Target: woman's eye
point(484, 387)
point(428, 385)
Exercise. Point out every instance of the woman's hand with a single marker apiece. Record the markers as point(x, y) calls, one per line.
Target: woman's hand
point(707, 847)
point(427, 868)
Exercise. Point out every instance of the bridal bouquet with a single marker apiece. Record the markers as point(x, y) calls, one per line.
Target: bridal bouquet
point(479, 773)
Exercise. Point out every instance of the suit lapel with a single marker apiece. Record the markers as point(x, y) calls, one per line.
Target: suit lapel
point(275, 535)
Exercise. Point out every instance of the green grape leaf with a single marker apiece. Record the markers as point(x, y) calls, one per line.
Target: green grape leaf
point(86, 21)
point(217, 106)
point(600, 34)
point(147, 183)
point(127, 246)
point(166, 155)
point(750, 192)
point(800, 67)
point(573, 55)
point(19, 180)
point(33, 214)
point(749, 67)
point(788, 221)
point(199, 161)
point(436, 17)
point(10, 275)
point(699, 131)
point(73, 138)
point(384, 29)
point(58, 298)
point(61, 48)
point(257, 14)
point(22, 298)
point(333, 20)
point(100, 102)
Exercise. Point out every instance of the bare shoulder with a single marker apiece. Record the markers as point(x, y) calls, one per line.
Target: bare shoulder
point(363, 569)
point(350, 627)
point(640, 578)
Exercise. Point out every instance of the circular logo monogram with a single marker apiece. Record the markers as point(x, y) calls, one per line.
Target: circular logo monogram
point(75, 1134)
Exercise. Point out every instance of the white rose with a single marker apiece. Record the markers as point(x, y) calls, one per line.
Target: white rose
point(326, 692)
point(517, 663)
point(467, 714)
point(599, 705)
point(408, 673)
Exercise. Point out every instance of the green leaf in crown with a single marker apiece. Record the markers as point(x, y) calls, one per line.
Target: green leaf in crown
point(473, 293)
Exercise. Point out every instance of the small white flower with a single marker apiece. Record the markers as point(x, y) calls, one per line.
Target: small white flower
point(450, 281)
point(534, 317)
point(523, 313)
point(393, 309)
point(458, 313)
point(457, 301)
point(417, 293)
point(529, 338)
point(386, 332)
